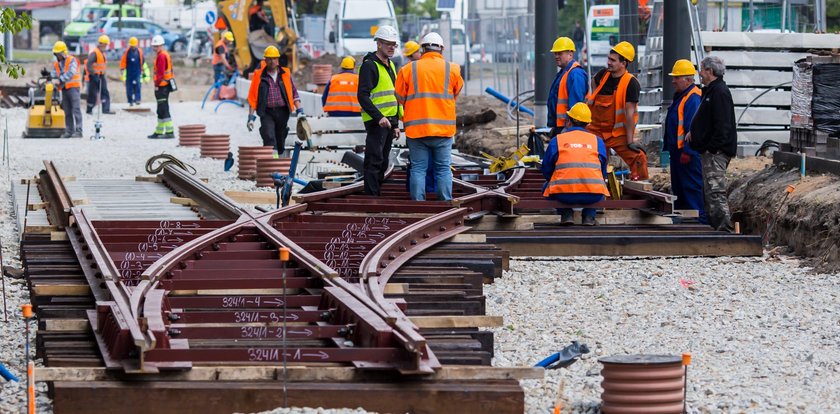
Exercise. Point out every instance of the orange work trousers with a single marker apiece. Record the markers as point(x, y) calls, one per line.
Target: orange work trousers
point(603, 119)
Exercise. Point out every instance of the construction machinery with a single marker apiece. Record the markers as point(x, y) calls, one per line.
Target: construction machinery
point(252, 34)
point(498, 164)
point(46, 118)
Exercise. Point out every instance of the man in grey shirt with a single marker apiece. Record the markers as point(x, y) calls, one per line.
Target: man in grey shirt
point(67, 77)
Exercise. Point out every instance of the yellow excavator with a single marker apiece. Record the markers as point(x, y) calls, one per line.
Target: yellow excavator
point(46, 118)
point(256, 24)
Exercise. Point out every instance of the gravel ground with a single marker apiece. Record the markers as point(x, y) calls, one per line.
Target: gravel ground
point(758, 346)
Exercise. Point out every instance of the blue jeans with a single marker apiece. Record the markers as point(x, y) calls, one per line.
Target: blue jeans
point(132, 89)
point(218, 73)
point(420, 150)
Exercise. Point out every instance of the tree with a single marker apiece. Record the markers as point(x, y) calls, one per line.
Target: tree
point(422, 8)
point(11, 22)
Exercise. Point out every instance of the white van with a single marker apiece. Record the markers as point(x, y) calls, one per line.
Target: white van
point(351, 24)
point(603, 28)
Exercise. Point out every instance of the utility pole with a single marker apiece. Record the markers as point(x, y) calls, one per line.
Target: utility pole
point(546, 68)
point(629, 27)
point(676, 43)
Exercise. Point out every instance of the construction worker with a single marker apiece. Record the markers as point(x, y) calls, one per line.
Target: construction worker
point(575, 167)
point(340, 98)
point(380, 110)
point(569, 87)
point(164, 80)
point(134, 71)
point(67, 77)
point(274, 97)
point(220, 57)
point(411, 50)
point(686, 167)
point(428, 88)
point(97, 89)
point(614, 103)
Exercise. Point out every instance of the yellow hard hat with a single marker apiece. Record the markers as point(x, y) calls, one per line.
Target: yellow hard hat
point(411, 47)
point(563, 44)
point(271, 52)
point(133, 42)
point(625, 50)
point(228, 36)
point(348, 62)
point(105, 40)
point(683, 67)
point(59, 47)
point(580, 112)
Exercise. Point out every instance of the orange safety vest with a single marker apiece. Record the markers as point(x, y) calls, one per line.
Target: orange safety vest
point(254, 90)
point(427, 88)
point(563, 98)
point(122, 61)
point(681, 115)
point(167, 74)
point(578, 168)
point(344, 88)
point(100, 63)
point(620, 98)
point(76, 80)
point(219, 59)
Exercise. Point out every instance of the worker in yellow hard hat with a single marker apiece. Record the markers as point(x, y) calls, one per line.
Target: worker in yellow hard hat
point(569, 87)
point(412, 51)
point(614, 102)
point(686, 168)
point(340, 96)
point(222, 59)
point(97, 89)
point(67, 76)
point(575, 167)
point(134, 71)
point(273, 97)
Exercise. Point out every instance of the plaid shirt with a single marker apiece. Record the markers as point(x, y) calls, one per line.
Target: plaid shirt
point(275, 97)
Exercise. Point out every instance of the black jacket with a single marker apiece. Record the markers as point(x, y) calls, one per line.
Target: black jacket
point(368, 78)
point(713, 127)
point(262, 90)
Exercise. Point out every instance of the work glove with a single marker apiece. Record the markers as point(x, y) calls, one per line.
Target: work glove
point(685, 158)
point(635, 147)
point(146, 73)
point(300, 113)
point(250, 123)
point(122, 75)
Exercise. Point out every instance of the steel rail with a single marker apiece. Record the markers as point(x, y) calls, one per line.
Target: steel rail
point(59, 200)
point(217, 205)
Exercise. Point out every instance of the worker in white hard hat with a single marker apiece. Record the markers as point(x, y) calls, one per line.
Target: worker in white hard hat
point(97, 90)
point(164, 82)
point(380, 110)
point(67, 77)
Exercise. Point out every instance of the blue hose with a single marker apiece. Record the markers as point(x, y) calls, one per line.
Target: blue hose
point(7, 375)
point(513, 104)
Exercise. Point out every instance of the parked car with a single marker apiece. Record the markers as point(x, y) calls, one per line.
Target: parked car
point(90, 15)
point(175, 41)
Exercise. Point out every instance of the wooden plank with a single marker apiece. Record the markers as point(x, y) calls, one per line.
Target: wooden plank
point(61, 290)
point(66, 325)
point(252, 197)
point(468, 238)
point(639, 185)
point(478, 321)
point(396, 288)
point(184, 201)
point(527, 222)
point(58, 235)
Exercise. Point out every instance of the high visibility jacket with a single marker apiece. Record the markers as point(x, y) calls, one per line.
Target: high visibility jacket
point(563, 97)
point(344, 88)
point(578, 168)
point(217, 58)
point(428, 87)
point(681, 115)
point(163, 73)
point(620, 97)
point(99, 62)
point(258, 93)
point(382, 95)
point(124, 57)
point(76, 80)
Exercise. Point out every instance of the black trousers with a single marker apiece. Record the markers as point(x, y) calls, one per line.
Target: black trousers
point(274, 127)
point(98, 88)
point(377, 149)
point(162, 97)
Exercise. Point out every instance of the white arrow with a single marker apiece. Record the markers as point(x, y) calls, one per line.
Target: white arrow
point(305, 332)
point(320, 354)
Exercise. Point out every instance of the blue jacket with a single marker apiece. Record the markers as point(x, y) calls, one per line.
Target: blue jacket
point(577, 84)
point(133, 66)
point(327, 93)
point(669, 141)
point(550, 159)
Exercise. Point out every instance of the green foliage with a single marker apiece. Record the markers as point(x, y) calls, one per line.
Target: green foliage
point(422, 8)
point(832, 17)
point(12, 22)
point(566, 17)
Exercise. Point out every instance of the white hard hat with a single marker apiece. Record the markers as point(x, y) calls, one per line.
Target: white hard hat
point(157, 40)
point(432, 39)
point(386, 33)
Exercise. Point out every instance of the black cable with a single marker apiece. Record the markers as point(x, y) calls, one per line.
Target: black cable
point(165, 159)
point(766, 145)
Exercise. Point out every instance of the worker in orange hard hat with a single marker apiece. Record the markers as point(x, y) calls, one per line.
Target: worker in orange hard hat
point(97, 90)
point(340, 97)
point(614, 103)
point(575, 167)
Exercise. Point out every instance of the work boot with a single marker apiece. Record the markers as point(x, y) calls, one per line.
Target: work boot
point(567, 218)
point(155, 136)
point(77, 134)
point(109, 113)
point(589, 221)
point(167, 135)
point(67, 135)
